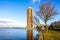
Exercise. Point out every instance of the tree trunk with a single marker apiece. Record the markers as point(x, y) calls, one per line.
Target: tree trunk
point(46, 26)
point(41, 35)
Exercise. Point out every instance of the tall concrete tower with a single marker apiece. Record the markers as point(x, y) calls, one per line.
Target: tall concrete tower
point(30, 23)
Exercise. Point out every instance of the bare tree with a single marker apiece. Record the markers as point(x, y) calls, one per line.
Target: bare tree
point(46, 12)
point(36, 21)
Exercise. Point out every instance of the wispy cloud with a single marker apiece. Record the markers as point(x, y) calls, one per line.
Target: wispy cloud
point(6, 22)
point(33, 1)
point(2, 20)
point(11, 23)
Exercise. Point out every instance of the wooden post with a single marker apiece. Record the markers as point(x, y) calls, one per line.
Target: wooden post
point(30, 23)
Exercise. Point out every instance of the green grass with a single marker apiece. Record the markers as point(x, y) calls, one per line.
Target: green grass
point(52, 35)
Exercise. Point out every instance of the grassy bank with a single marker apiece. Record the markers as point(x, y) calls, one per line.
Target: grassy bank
point(52, 35)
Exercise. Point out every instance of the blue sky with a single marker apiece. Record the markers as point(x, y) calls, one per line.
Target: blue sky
point(16, 10)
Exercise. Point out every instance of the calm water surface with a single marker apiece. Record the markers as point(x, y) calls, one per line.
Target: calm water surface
point(13, 34)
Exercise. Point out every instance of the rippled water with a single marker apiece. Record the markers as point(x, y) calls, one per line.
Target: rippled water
point(13, 34)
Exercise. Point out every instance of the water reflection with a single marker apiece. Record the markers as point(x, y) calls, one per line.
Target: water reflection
point(14, 34)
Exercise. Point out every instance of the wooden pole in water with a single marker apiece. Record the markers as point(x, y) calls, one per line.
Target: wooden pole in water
point(30, 23)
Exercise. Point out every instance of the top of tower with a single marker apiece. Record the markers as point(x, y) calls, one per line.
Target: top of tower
point(30, 8)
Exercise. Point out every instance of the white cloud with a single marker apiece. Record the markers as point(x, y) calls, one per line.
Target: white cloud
point(33, 1)
point(11, 23)
point(6, 20)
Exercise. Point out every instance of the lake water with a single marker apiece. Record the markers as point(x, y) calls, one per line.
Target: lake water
point(14, 34)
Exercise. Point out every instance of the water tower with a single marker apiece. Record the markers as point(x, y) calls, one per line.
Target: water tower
point(30, 23)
